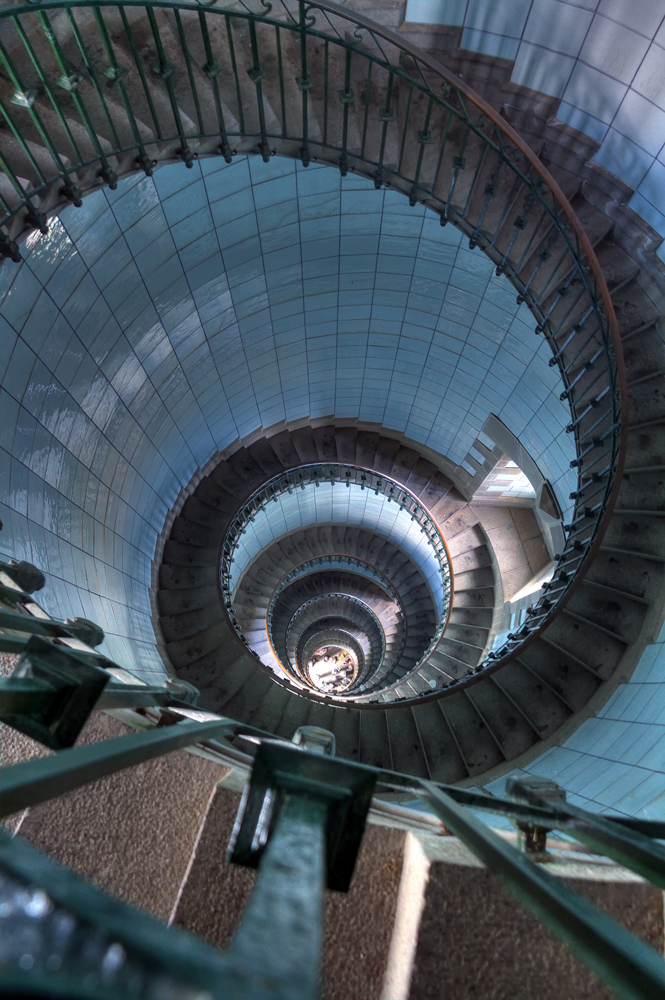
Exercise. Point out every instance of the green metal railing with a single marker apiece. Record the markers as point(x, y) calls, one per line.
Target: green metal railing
point(335, 561)
point(100, 89)
point(315, 475)
point(339, 561)
point(317, 610)
point(301, 824)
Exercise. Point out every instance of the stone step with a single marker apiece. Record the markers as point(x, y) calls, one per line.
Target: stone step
point(182, 554)
point(374, 747)
point(509, 727)
point(535, 699)
point(407, 751)
point(441, 877)
point(189, 622)
point(628, 574)
point(477, 744)
point(216, 637)
point(444, 757)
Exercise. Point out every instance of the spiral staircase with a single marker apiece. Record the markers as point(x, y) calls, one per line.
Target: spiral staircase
point(90, 93)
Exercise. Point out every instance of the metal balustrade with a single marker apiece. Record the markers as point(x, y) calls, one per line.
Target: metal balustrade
point(297, 630)
point(339, 561)
point(95, 96)
point(314, 475)
point(335, 561)
point(301, 824)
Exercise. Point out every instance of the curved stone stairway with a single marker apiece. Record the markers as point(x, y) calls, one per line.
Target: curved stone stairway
point(460, 734)
point(556, 675)
point(337, 611)
point(288, 626)
point(409, 622)
point(252, 615)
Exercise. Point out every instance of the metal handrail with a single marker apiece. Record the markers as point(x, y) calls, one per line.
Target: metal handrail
point(180, 961)
point(629, 966)
point(425, 133)
point(341, 560)
point(325, 598)
point(314, 474)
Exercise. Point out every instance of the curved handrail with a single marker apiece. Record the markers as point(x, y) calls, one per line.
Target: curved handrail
point(583, 333)
point(166, 724)
point(315, 474)
point(367, 570)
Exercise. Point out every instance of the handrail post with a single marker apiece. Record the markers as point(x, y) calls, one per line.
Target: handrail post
point(280, 937)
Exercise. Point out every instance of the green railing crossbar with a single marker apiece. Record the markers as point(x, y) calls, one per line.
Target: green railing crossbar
point(20, 695)
point(538, 815)
point(631, 967)
point(43, 778)
point(628, 847)
point(37, 780)
point(183, 955)
point(16, 621)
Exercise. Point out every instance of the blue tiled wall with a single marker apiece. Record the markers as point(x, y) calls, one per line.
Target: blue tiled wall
point(605, 60)
point(161, 321)
point(331, 503)
point(616, 761)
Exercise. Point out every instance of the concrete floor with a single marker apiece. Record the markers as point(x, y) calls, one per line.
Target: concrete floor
point(473, 938)
point(131, 833)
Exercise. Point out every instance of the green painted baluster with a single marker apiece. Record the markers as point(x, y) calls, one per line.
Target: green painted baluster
point(33, 216)
point(631, 968)
point(459, 163)
point(70, 82)
point(25, 148)
point(234, 70)
point(304, 82)
point(91, 71)
point(116, 73)
point(405, 129)
point(476, 174)
point(387, 115)
point(368, 91)
point(280, 936)
point(424, 139)
point(211, 70)
point(138, 62)
point(347, 98)
point(164, 69)
point(326, 70)
point(70, 190)
point(280, 74)
point(190, 72)
point(44, 778)
point(256, 74)
point(25, 98)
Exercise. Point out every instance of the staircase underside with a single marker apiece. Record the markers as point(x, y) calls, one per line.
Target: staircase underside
point(495, 717)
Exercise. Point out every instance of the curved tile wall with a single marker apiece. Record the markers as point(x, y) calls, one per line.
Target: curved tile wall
point(604, 60)
point(159, 322)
